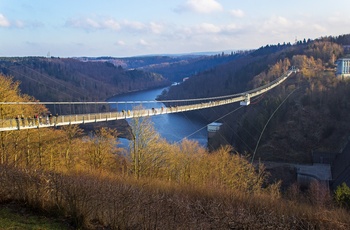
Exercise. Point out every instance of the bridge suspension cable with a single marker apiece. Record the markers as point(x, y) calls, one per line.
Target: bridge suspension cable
point(172, 106)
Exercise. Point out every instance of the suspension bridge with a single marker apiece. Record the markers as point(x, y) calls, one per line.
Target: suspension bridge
point(173, 106)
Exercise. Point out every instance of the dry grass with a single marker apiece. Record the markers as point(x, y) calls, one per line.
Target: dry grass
point(93, 201)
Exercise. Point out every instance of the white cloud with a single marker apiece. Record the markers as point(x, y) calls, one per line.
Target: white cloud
point(278, 21)
point(20, 24)
point(3, 21)
point(200, 6)
point(92, 23)
point(111, 24)
point(208, 28)
point(237, 13)
point(275, 24)
point(143, 42)
point(319, 28)
point(120, 43)
point(156, 28)
point(230, 28)
point(83, 23)
point(133, 25)
point(281, 27)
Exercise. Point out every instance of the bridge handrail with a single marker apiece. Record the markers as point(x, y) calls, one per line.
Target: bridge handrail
point(285, 75)
point(17, 124)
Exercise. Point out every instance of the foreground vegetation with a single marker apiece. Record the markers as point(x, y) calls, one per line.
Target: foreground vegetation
point(93, 184)
point(95, 200)
point(16, 216)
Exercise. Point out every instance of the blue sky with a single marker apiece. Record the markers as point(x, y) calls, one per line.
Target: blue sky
point(68, 28)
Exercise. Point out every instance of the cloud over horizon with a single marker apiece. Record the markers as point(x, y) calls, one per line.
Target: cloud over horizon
point(200, 6)
point(237, 13)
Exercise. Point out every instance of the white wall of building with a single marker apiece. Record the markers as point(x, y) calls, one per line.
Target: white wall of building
point(343, 67)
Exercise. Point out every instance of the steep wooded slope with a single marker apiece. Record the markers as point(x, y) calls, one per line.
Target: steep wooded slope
point(315, 117)
point(172, 67)
point(55, 79)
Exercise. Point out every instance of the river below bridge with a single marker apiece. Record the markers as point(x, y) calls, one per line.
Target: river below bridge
point(172, 127)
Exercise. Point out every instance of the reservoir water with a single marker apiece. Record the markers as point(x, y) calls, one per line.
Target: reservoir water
point(172, 127)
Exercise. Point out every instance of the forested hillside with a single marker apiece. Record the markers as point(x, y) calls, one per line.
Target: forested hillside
point(177, 71)
point(228, 78)
point(315, 117)
point(56, 79)
point(172, 67)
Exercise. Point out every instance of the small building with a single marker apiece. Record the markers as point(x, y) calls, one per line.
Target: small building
point(343, 68)
point(213, 128)
point(316, 172)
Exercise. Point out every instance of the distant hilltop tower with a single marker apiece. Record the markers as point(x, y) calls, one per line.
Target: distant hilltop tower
point(48, 54)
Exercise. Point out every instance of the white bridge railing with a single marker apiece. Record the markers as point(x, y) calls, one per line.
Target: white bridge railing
point(53, 121)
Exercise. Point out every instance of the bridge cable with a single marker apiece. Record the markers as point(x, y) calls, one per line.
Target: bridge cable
point(193, 124)
point(166, 101)
point(257, 100)
point(218, 133)
point(209, 123)
point(262, 132)
point(234, 133)
point(183, 113)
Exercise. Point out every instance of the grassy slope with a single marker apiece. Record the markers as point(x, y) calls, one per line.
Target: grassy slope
point(15, 216)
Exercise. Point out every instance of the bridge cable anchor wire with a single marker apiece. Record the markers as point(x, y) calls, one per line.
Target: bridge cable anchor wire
point(262, 132)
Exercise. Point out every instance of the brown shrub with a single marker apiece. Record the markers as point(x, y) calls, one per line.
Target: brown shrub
point(100, 200)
